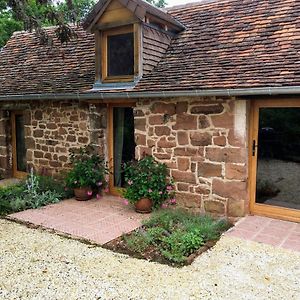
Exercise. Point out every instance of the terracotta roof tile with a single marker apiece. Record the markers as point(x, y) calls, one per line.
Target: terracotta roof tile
point(227, 44)
point(231, 44)
point(26, 67)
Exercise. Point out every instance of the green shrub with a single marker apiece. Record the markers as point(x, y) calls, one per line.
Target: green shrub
point(34, 192)
point(148, 178)
point(88, 169)
point(137, 242)
point(176, 233)
point(47, 183)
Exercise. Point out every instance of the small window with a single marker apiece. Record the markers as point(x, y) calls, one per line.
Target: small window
point(118, 54)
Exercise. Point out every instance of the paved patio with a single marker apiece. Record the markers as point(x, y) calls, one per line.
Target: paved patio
point(97, 220)
point(102, 220)
point(274, 232)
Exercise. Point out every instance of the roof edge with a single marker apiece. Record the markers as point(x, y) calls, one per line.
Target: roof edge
point(263, 91)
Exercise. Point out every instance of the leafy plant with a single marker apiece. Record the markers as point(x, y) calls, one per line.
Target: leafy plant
point(89, 169)
point(34, 192)
point(175, 234)
point(137, 242)
point(147, 178)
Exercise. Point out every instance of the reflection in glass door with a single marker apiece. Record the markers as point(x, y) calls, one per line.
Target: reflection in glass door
point(276, 148)
point(123, 143)
point(18, 145)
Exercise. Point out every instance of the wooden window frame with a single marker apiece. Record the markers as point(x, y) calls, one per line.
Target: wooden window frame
point(278, 212)
point(133, 28)
point(15, 172)
point(116, 191)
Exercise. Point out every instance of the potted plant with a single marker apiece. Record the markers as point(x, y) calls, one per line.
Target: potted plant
point(88, 173)
point(148, 185)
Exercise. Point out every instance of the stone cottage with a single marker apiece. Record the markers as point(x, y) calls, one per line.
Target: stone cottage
point(209, 88)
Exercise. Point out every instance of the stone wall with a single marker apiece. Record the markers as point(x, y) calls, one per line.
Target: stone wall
point(203, 142)
point(52, 129)
point(5, 145)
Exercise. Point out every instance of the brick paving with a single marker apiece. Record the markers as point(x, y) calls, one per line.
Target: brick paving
point(265, 230)
point(102, 220)
point(98, 220)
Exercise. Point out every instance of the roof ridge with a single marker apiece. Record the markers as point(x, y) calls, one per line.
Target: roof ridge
point(190, 4)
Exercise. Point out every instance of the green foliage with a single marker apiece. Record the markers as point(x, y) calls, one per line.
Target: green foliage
point(176, 234)
point(147, 178)
point(136, 242)
point(80, 8)
point(8, 195)
point(158, 3)
point(89, 169)
point(35, 192)
point(8, 25)
point(36, 14)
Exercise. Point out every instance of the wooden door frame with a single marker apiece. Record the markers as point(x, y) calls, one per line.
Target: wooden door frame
point(15, 172)
point(110, 142)
point(259, 208)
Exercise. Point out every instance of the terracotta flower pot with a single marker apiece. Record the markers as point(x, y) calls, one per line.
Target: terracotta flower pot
point(83, 193)
point(143, 206)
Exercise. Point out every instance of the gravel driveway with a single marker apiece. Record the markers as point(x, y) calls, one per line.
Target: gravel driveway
point(35, 264)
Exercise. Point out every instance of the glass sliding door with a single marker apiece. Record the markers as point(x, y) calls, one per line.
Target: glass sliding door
point(276, 159)
point(18, 145)
point(122, 148)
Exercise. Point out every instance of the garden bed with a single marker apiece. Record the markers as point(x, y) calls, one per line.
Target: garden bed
point(172, 237)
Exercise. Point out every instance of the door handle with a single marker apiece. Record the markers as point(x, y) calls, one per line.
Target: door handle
point(254, 146)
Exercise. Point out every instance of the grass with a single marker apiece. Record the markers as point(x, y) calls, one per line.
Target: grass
point(175, 234)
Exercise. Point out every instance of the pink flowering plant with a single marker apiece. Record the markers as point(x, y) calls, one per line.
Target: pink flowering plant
point(88, 170)
point(148, 178)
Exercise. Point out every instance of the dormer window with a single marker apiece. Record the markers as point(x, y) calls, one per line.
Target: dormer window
point(118, 54)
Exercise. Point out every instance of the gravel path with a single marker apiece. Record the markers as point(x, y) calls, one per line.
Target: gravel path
point(35, 264)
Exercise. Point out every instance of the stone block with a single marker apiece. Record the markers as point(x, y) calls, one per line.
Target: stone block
point(180, 176)
point(189, 201)
point(163, 108)
point(208, 109)
point(183, 163)
point(236, 172)
point(162, 130)
point(185, 151)
point(181, 107)
point(202, 190)
point(214, 207)
point(236, 190)
point(164, 143)
point(156, 120)
point(162, 156)
point(203, 122)
point(83, 140)
point(223, 121)
point(186, 122)
point(140, 139)
point(183, 138)
point(200, 138)
point(219, 140)
point(38, 133)
point(140, 124)
point(231, 155)
point(209, 170)
point(183, 187)
point(235, 208)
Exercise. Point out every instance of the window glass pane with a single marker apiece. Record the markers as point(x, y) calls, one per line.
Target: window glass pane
point(124, 144)
point(120, 52)
point(20, 143)
point(278, 164)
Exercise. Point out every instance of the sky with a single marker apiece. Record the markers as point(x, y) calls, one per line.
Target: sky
point(177, 2)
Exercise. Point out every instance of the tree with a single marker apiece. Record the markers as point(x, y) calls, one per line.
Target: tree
point(158, 3)
point(35, 14)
